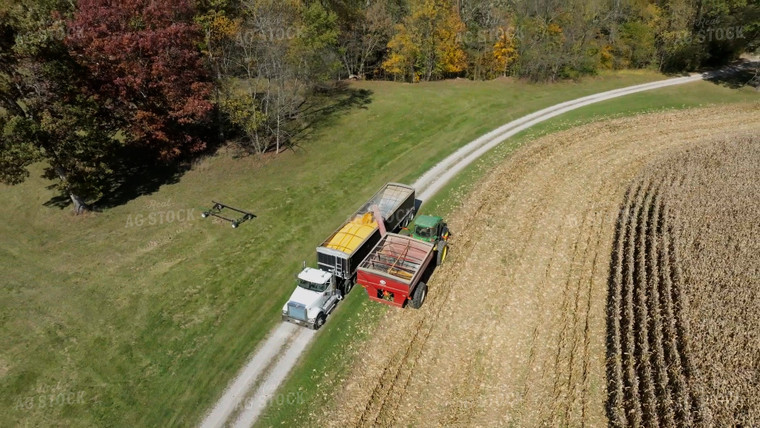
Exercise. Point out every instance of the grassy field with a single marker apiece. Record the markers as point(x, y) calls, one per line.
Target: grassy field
point(312, 380)
point(140, 315)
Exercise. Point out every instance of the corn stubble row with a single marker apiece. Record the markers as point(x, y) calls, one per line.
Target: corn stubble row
point(683, 310)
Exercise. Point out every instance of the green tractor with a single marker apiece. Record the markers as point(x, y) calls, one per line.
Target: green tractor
point(433, 229)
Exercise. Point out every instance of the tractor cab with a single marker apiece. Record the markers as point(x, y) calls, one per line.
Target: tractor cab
point(428, 228)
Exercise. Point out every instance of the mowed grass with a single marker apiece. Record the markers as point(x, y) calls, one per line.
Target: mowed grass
point(109, 320)
point(326, 361)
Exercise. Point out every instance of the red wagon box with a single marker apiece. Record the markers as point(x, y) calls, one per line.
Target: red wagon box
point(393, 270)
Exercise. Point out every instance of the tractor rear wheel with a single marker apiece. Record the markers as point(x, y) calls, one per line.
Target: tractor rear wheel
point(418, 296)
point(443, 249)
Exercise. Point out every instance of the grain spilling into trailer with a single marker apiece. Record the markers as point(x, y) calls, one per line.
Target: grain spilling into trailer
point(345, 248)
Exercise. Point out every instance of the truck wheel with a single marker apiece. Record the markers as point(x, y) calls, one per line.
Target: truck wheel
point(418, 297)
point(443, 249)
point(347, 286)
point(320, 321)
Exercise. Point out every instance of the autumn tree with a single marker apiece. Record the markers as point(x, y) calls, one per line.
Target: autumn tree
point(145, 65)
point(488, 37)
point(364, 32)
point(558, 38)
point(263, 62)
point(450, 58)
point(429, 39)
point(403, 54)
point(505, 51)
point(365, 27)
point(44, 113)
point(285, 51)
point(219, 23)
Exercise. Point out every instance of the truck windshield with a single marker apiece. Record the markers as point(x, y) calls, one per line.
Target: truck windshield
point(423, 232)
point(312, 286)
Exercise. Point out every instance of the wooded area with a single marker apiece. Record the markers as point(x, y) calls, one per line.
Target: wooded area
point(97, 89)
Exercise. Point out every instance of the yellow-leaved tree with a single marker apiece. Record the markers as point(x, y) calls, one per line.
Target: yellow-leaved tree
point(403, 54)
point(505, 51)
point(452, 57)
point(426, 44)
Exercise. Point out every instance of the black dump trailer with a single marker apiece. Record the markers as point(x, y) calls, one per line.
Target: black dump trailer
point(343, 251)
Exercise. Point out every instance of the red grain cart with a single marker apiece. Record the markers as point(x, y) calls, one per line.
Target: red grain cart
point(393, 270)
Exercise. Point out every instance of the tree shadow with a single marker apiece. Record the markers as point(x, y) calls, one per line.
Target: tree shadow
point(137, 172)
point(58, 201)
point(737, 75)
point(321, 106)
point(138, 176)
point(327, 103)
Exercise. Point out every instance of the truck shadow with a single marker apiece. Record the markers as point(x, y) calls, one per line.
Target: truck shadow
point(417, 205)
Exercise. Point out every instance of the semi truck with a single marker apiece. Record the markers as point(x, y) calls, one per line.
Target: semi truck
point(394, 271)
point(318, 290)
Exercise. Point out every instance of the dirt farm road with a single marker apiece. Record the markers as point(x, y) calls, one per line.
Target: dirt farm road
point(246, 396)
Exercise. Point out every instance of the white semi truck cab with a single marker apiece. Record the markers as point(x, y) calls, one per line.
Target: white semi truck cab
point(315, 296)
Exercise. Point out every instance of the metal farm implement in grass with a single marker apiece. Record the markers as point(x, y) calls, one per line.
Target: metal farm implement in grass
point(217, 209)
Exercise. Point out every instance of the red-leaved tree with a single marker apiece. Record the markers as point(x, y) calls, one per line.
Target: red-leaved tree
point(146, 67)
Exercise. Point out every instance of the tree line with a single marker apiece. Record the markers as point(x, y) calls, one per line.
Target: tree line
point(97, 88)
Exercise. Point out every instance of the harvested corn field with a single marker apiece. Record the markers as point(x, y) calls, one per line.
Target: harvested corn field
point(514, 329)
point(684, 298)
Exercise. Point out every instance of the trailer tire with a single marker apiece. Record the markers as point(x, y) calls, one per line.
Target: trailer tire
point(419, 295)
point(347, 286)
point(442, 251)
point(320, 321)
